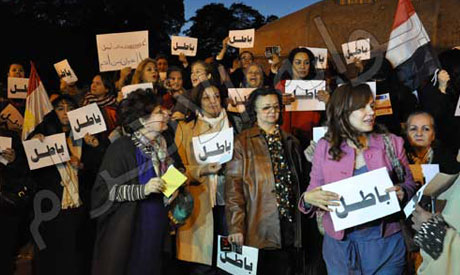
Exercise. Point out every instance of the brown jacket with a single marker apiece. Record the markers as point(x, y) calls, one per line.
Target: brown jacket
point(250, 196)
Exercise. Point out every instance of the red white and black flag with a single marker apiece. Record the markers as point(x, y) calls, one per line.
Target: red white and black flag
point(409, 49)
point(37, 103)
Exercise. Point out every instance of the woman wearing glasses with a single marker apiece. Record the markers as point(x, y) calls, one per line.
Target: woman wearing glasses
point(263, 183)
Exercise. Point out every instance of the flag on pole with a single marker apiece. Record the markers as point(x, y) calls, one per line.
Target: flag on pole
point(37, 103)
point(409, 49)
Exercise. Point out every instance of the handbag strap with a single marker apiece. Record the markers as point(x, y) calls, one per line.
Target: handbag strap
point(395, 163)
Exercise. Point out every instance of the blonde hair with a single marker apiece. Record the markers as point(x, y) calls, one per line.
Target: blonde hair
point(137, 77)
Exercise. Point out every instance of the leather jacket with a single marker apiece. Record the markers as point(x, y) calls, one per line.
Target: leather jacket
point(250, 197)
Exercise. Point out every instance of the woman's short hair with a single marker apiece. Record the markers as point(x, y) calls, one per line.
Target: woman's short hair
point(107, 81)
point(138, 104)
point(345, 99)
point(259, 67)
point(137, 77)
point(248, 52)
point(419, 113)
point(176, 69)
point(251, 103)
point(60, 98)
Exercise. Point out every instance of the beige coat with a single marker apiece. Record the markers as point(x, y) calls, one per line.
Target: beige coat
point(448, 262)
point(195, 237)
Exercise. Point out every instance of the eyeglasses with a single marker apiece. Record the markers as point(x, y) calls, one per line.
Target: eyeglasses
point(266, 109)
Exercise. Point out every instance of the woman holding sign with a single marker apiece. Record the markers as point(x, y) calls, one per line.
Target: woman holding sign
point(263, 184)
point(69, 234)
point(127, 197)
point(353, 146)
point(300, 66)
point(197, 239)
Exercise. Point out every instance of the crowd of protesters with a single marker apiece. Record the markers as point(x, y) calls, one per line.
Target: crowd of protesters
point(268, 196)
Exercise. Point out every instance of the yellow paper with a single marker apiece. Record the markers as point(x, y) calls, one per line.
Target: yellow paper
point(173, 179)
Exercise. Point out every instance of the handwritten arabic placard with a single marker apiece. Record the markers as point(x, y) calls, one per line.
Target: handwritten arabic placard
point(236, 263)
point(119, 50)
point(363, 199)
point(429, 171)
point(318, 133)
point(239, 97)
point(305, 92)
point(17, 87)
point(65, 72)
point(51, 151)
point(357, 49)
point(457, 111)
point(242, 38)
point(12, 117)
point(174, 179)
point(320, 57)
point(215, 147)
point(183, 44)
point(126, 90)
point(5, 143)
point(86, 120)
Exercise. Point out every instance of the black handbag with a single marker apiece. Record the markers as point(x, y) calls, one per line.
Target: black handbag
point(13, 199)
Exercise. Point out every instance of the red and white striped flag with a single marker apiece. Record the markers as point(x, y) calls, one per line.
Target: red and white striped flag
point(37, 103)
point(409, 49)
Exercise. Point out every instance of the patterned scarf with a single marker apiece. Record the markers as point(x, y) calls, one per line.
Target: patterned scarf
point(427, 158)
point(156, 150)
point(107, 100)
point(69, 176)
point(216, 182)
point(282, 173)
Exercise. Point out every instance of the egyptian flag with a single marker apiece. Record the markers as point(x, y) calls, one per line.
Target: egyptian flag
point(409, 49)
point(37, 103)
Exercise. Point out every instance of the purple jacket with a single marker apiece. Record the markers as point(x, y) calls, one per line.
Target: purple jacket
point(325, 170)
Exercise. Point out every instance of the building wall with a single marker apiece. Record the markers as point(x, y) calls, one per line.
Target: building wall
point(439, 17)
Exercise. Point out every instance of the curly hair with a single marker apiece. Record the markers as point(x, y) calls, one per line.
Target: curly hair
point(139, 103)
point(251, 103)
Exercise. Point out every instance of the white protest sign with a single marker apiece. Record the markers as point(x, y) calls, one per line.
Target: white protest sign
point(429, 172)
point(215, 147)
point(65, 72)
point(457, 111)
point(320, 57)
point(86, 120)
point(5, 143)
point(305, 92)
point(126, 90)
point(119, 50)
point(240, 97)
point(242, 38)
point(363, 199)
point(244, 263)
point(51, 151)
point(357, 49)
point(318, 133)
point(12, 117)
point(182, 44)
point(383, 105)
point(17, 87)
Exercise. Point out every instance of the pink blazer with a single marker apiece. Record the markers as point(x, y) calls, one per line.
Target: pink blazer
point(325, 170)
